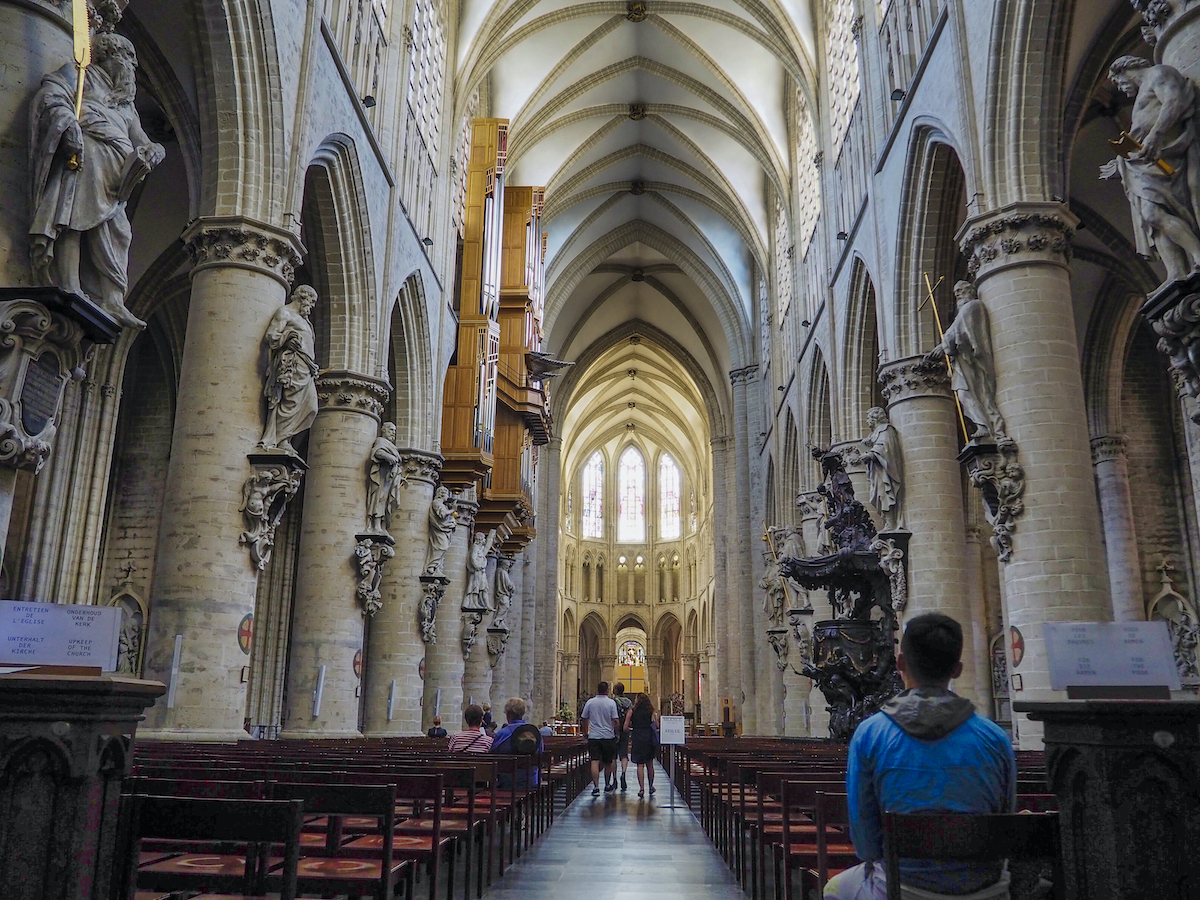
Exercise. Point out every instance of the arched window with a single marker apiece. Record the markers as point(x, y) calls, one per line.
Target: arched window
point(593, 497)
point(570, 511)
point(692, 522)
point(668, 494)
point(842, 62)
point(587, 578)
point(425, 70)
point(808, 177)
point(631, 494)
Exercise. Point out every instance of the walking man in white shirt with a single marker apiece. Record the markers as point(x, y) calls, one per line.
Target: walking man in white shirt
point(599, 720)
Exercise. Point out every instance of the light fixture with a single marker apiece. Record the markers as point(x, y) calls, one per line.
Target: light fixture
point(898, 95)
point(782, 387)
point(427, 241)
point(842, 236)
point(368, 101)
point(804, 323)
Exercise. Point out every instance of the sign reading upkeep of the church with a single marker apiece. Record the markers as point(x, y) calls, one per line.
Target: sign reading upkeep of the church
point(671, 729)
point(59, 634)
point(1110, 654)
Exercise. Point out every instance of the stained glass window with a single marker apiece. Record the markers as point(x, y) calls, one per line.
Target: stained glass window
point(631, 494)
point(631, 653)
point(593, 497)
point(668, 492)
point(808, 176)
point(842, 53)
point(692, 517)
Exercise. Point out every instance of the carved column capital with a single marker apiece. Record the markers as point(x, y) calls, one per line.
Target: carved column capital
point(809, 504)
point(467, 506)
point(1108, 447)
point(243, 243)
point(351, 391)
point(913, 376)
point(420, 465)
point(742, 375)
point(1017, 234)
point(570, 658)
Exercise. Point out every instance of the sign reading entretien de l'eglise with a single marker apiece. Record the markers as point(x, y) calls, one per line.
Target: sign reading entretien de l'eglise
point(59, 634)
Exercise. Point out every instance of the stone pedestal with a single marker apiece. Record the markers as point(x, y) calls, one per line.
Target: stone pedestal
point(1019, 257)
point(65, 747)
point(327, 618)
point(204, 580)
point(395, 651)
point(1124, 773)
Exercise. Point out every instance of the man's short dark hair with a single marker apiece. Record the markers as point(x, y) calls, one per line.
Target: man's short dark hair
point(931, 645)
point(473, 715)
point(602, 687)
point(619, 688)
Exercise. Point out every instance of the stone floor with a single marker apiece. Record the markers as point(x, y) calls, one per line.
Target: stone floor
point(617, 847)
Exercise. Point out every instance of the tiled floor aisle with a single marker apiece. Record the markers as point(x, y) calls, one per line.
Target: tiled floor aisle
point(615, 847)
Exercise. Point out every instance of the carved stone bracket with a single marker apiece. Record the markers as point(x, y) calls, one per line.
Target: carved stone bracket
point(471, 620)
point(1158, 15)
point(798, 620)
point(41, 349)
point(993, 468)
point(497, 640)
point(914, 376)
point(892, 547)
point(265, 496)
point(420, 465)
point(809, 504)
point(370, 553)
point(467, 506)
point(433, 589)
point(778, 639)
point(1017, 234)
point(350, 390)
point(243, 243)
point(1173, 311)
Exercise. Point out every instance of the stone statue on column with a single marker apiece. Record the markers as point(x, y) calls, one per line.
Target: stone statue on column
point(442, 514)
point(1159, 163)
point(478, 595)
point(885, 468)
point(84, 171)
point(967, 343)
point(775, 597)
point(384, 479)
point(504, 591)
point(290, 387)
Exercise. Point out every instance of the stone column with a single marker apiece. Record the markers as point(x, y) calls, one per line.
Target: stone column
point(327, 619)
point(921, 408)
point(507, 677)
point(204, 579)
point(1056, 572)
point(1120, 532)
point(690, 666)
point(546, 625)
point(978, 634)
point(725, 672)
point(749, 628)
point(444, 658)
point(608, 672)
point(809, 504)
point(396, 651)
point(797, 710)
point(658, 691)
point(477, 667)
point(527, 585)
point(569, 691)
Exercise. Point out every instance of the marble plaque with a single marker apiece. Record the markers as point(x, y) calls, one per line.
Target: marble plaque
point(59, 634)
point(40, 393)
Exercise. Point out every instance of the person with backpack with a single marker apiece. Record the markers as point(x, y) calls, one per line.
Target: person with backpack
point(472, 739)
point(517, 737)
point(624, 704)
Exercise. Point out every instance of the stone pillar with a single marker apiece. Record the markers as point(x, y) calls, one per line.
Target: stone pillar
point(1056, 573)
point(725, 672)
point(527, 585)
point(690, 666)
point(569, 691)
point(65, 747)
point(395, 651)
point(444, 658)
point(748, 629)
point(921, 408)
point(658, 691)
point(545, 634)
point(507, 678)
point(1120, 532)
point(327, 619)
point(981, 678)
point(477, 667)
point(797, 710)
point(204, 579)
point(608, 672)
point(809, 504)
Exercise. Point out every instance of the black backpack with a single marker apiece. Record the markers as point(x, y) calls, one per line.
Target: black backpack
point(524, 740)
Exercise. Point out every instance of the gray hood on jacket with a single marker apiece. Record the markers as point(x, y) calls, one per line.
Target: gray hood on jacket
point(928, 713)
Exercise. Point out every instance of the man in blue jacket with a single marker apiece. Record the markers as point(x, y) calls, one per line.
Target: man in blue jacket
point(926, 750)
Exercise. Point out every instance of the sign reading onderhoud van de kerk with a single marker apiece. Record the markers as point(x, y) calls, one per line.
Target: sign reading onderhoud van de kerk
point(59, 634)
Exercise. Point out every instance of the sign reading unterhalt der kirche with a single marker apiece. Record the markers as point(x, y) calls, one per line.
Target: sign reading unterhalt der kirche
point(59, 634)
point(1110, 654)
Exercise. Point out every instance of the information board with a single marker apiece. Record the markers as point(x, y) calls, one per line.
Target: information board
point(59, 634)
point(1108, 654)
point(671, 729)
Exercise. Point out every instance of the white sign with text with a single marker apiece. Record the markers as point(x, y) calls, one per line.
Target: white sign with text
point(671, 729)
point(59, 634)
point(1109, 654)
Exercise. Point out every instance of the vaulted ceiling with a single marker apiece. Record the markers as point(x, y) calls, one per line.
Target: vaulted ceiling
point(659, 130)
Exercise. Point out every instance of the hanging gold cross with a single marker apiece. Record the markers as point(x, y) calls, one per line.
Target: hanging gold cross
point(941, 333)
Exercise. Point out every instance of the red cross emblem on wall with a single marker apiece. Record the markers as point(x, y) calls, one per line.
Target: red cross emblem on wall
point(246, 632)
point(358, 664)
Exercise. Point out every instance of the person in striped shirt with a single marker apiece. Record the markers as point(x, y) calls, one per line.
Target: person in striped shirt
point(472, 739)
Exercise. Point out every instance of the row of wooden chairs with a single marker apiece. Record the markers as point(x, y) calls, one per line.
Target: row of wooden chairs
point(759, 800)
point(375, 815)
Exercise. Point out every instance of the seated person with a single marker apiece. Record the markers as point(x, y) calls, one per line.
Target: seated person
point(472, 739)
point(511, 738)
point(546, 729)
point(926, 750)
point(437, 731)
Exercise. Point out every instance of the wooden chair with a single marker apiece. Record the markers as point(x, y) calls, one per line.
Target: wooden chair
point(832, 815)
point(249, 823)
point(966, 837)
